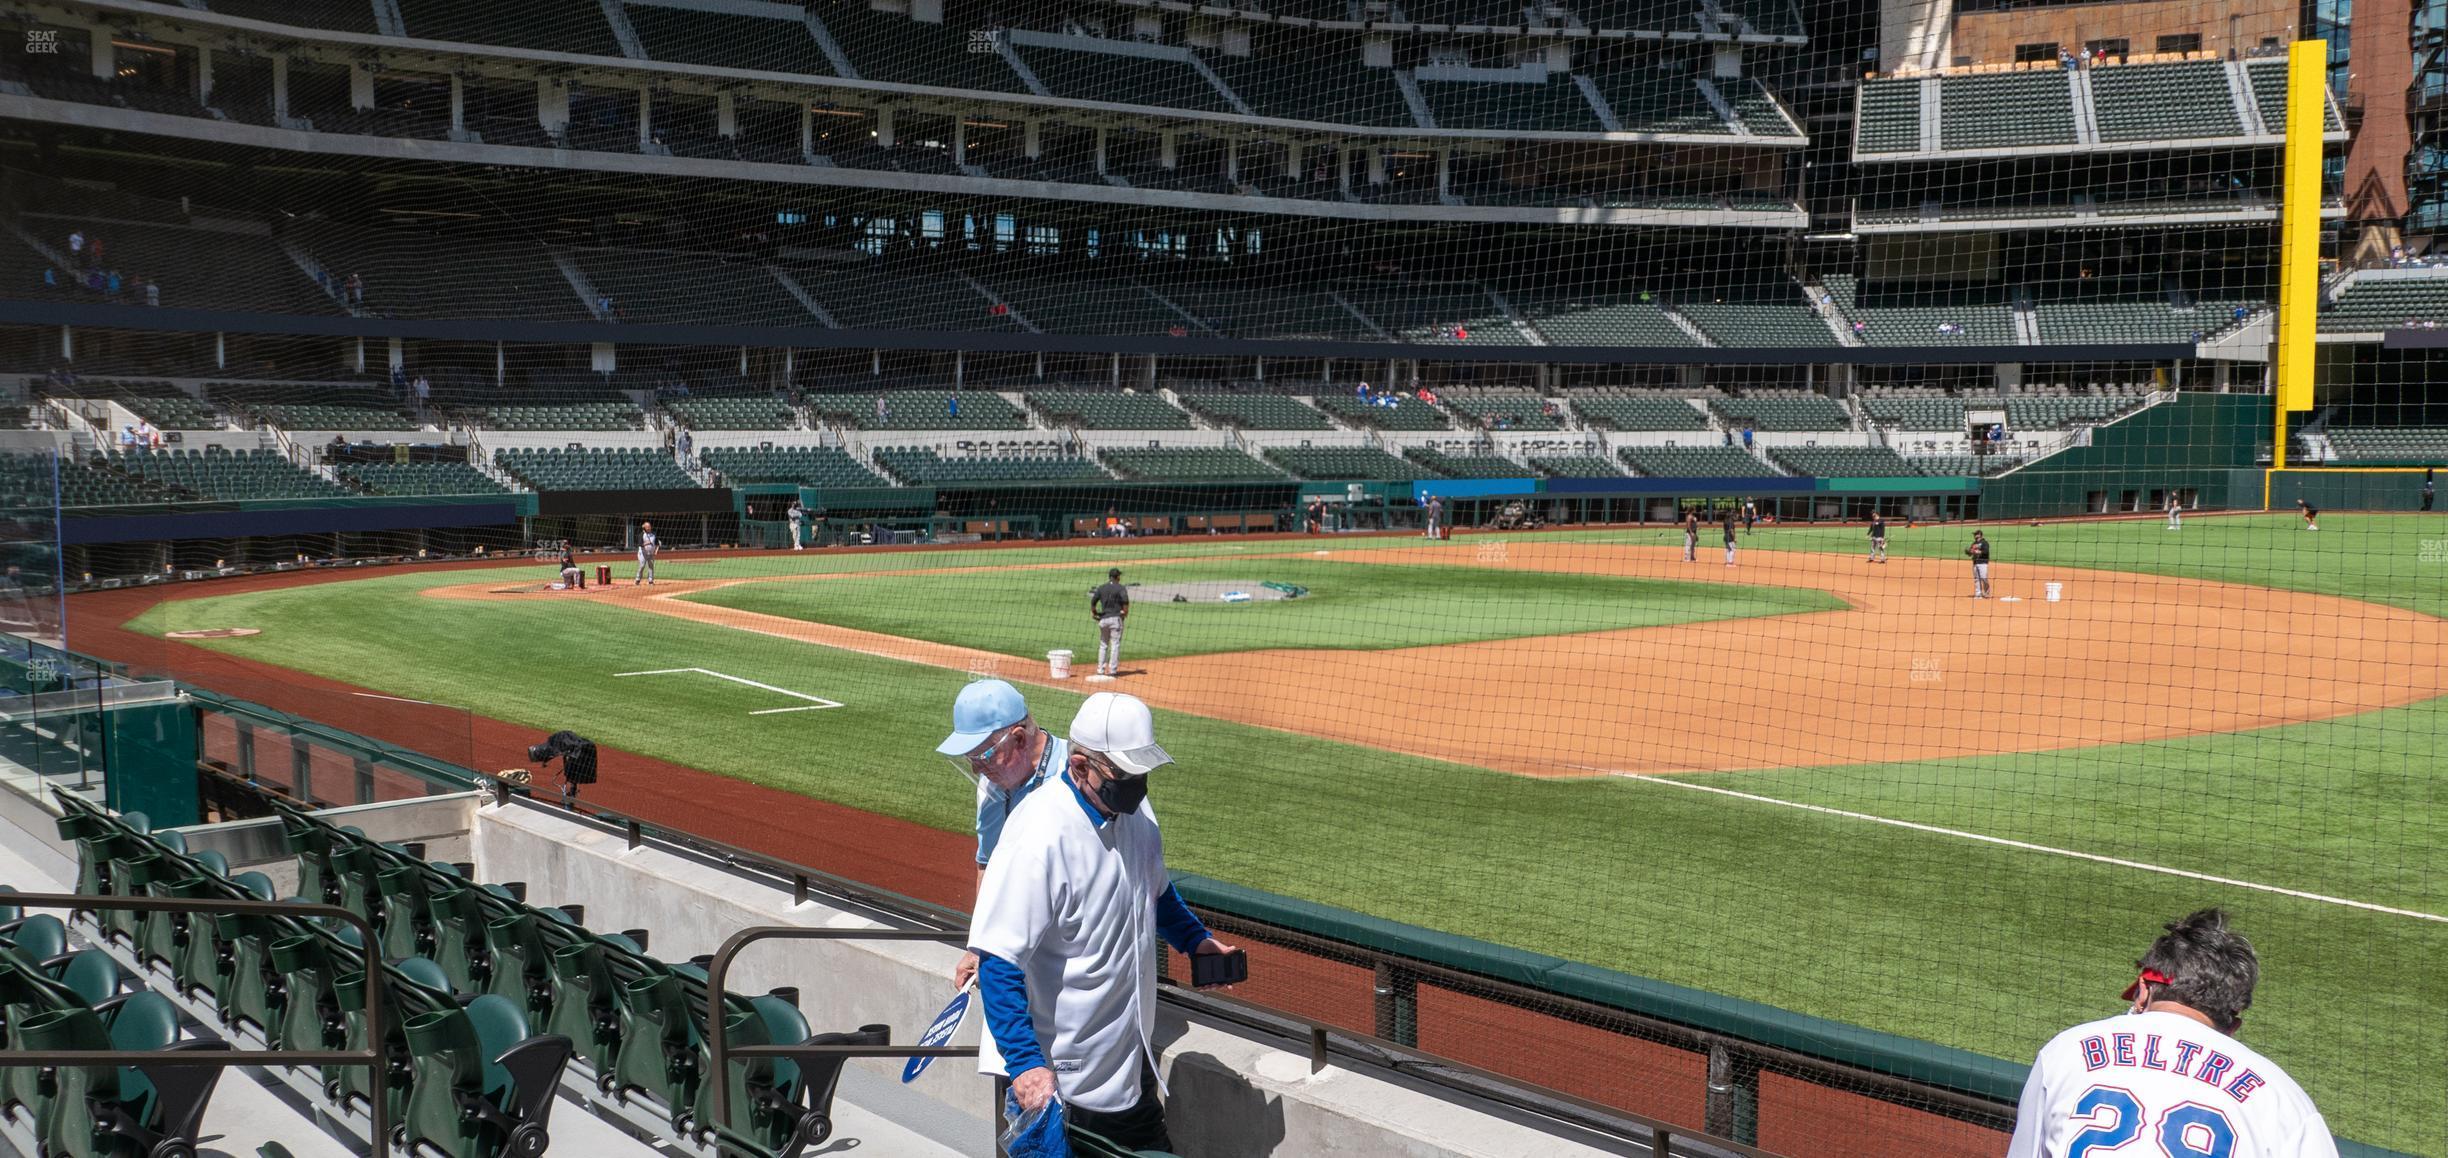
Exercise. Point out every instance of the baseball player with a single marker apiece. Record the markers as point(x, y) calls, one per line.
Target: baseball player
point(2311, 514)
point(1691, 535)
point(2429, 484)
point(2175, 512)
point(999, 747)
point(2168, 1076)
point(1064, 915)
point(1436, 513)
point(1729, 536)
point(1878, 537)
point(647, 546)
point(1979, 551)
point(798, 524)
point(1109, 605)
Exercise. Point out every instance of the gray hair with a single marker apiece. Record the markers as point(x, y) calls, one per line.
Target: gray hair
point(2209, 968)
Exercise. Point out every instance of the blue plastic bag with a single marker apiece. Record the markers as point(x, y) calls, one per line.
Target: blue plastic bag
point(1034, 1135)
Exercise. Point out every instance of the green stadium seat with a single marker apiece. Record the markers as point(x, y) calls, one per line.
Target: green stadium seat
point(920, 410)
point(2164, 102)
point(1777, 413)
point(420, 478)
point(1347, 463)
point(1255, 411)
point(1639, 412)
point(594, 470)
point(2006, 109)
point(1842, 461)
point(923, 467)
point(1694, 462)
point(1404, 414)
point(1095, 410)
point(1503, 410)
point(1187, 464)
point(1466, 465)
point(1574, 466)
point(807, 466)
point(739, 413)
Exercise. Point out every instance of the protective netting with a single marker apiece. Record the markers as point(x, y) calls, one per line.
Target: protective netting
point(373, 360)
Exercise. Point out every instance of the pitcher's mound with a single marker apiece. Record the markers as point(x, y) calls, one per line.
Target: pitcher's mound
point(214, 633)
point(1216, 591)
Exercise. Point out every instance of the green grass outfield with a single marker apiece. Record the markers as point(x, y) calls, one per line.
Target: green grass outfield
point(1964, 943)
point(1349, 605)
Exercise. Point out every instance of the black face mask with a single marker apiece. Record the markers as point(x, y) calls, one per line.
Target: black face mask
point(1120, 795)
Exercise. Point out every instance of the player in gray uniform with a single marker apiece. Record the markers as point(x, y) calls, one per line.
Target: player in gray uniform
point(1110, 605)
point(1691, 534)
point(798, 526)
point(647, 546)
point(1979, 553)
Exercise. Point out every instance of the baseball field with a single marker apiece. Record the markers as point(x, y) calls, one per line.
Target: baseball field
point(1838, 787)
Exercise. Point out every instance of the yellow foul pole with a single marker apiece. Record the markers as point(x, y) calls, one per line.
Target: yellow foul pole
point(2299, 237)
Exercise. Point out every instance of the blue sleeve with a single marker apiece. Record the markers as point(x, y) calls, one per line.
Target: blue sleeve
point(1005, 993)
point(1181, 928)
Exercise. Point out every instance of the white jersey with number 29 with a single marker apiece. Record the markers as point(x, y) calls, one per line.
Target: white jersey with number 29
point(2162, 1085)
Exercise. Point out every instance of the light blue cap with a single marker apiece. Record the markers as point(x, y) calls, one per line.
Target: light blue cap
point(984, 708)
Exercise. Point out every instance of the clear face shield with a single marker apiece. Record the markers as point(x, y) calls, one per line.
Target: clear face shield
point(982, 762)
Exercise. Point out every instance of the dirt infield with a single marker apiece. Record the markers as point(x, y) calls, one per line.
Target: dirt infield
point(1911, 669)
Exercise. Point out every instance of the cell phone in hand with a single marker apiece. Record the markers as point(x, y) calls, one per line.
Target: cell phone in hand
point(1208, 970)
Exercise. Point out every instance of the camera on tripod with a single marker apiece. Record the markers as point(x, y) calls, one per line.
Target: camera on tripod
point(577, 756)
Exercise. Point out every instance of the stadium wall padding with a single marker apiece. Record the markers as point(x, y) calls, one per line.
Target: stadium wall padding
point(2205, 442)
point(2331, 489)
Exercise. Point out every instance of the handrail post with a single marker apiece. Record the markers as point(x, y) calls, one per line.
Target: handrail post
point(718, 1050)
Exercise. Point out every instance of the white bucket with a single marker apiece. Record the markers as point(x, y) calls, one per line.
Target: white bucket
point(2056, 592)
point(1059, 663)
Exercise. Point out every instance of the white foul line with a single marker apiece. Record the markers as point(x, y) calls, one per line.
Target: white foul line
point(814, 704)
point(2029, 847)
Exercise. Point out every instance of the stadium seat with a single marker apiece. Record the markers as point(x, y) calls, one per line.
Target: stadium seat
point(480, 1085)
point(808, 466)
point(1404, 414)
point(1093, 410)
point(920, 410)
point(1842, 461)
point(2162, 102)
point(1341, 463)
point(1503, 410)
point(1466, 465)
point(1574, 466)
point(1694, 462)
point(1255, 411)
point(737, 413)
point(2006, 109)
point(917, 466)
point(1189, 465)
point(420, 478)
point(1639, 412)
point(594, 470)
point(1782, 413)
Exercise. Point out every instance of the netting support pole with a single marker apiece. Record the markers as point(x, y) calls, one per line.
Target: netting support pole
point(301, 769)
point(1733, 1095)
point(1397, 1000)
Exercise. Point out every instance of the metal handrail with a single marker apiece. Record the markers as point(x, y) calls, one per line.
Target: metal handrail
point(368, 946)
point(717, 1051)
